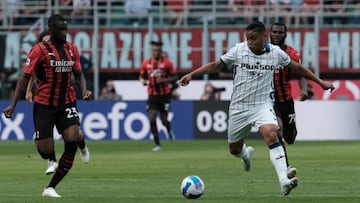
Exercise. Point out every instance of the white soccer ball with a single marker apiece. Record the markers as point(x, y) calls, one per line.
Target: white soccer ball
point(192, 187)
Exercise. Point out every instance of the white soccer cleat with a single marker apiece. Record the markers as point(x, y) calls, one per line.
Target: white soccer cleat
point(288, 184)
point(50, 192)
point(156, 148)
point(85, 155)
point(52, 165)
point(247, 159)
point(291, 172)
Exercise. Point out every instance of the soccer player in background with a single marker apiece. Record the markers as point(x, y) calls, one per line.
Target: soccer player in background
point(52, 162)
point(158, 73)
point(254, 62)
point(284, 102)
point(53, 63)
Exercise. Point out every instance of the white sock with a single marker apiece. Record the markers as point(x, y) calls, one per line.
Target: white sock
point(277, 157)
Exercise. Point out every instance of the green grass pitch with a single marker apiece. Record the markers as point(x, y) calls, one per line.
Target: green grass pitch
point(128, 171)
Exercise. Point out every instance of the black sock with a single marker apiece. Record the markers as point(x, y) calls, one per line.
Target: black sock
point(155, 133)
point(81, 144)
point(65, 163)
point(48, 156)
point(52, 157)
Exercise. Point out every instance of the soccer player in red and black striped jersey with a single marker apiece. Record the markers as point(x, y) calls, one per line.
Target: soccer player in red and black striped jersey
point(84, 151)
point(284, 102)
point(158, 73)
point(54, 62)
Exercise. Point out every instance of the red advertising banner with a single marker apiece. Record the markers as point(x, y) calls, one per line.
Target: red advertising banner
point(122, 50)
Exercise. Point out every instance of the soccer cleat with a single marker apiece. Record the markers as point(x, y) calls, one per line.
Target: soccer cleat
point(247, 158)
point(171, 136)
point(85, 155)
point(291, 172)
point(50, 192)
point(52, 165)
point(288, 184)
point(156, 148)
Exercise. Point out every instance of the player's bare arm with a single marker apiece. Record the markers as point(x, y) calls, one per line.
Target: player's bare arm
point(81, 83)
point(211, 67)
point(28, 94)
point(19, 91)
point(170, 79)
point(301, 70)
point(304, 89)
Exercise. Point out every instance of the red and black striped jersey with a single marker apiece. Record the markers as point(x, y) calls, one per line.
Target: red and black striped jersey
point(53, 68)
point(150, 70)
point(282, 77)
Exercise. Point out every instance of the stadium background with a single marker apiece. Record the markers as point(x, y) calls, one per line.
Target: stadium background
point(116, 50)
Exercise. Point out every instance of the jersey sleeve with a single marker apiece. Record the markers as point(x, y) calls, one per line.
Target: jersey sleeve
point(33, 60)
point(284, 58)
point(295, 56)
point(229, 57)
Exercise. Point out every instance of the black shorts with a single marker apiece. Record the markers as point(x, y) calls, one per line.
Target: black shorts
point(46, 117)
point(160, 103)
point(286, 111)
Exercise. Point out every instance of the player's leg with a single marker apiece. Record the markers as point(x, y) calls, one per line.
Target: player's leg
point(153, 128)
point(84, 151)
point(268, 128)
point(43, 135)
point(164, 111)
point(289, 132)
point(69, 128)
point(282, 113)
point(70, 136)
point(237, 131)
point(152, 109)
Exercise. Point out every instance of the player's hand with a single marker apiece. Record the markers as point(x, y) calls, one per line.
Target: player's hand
point(327, 85)
point(303, 96)
point(144, 82)
point(185, 80)
point(87, 95)
point(9, 111)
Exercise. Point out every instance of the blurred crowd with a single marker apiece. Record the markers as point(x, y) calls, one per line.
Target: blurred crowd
point(179, 12)
point(176, 13)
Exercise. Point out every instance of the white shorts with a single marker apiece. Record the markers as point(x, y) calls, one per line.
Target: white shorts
point(241, 121)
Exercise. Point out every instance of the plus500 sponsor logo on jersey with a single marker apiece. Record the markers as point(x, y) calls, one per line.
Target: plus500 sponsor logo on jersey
point(105, 121)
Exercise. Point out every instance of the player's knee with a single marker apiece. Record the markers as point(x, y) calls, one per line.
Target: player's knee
point(81, 135)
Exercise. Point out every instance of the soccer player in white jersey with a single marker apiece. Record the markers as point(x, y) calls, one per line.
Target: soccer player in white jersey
point(253, 63)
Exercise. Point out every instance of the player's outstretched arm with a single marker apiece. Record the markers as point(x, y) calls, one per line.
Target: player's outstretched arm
point(301, 70)
point(211, 67)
